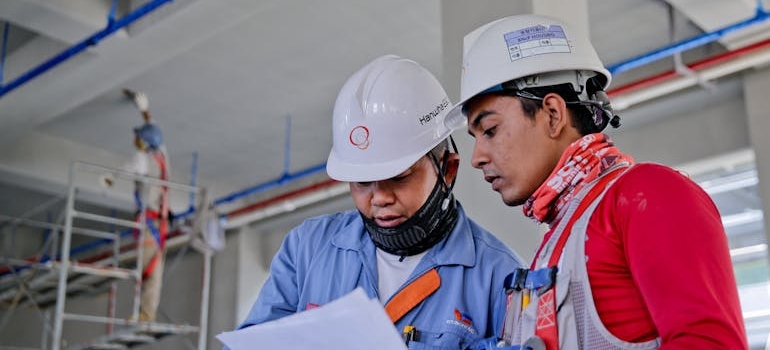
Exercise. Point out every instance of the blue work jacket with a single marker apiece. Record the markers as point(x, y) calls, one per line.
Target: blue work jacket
point(328, 256)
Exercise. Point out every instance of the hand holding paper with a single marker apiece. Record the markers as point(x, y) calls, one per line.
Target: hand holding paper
point(351, 322)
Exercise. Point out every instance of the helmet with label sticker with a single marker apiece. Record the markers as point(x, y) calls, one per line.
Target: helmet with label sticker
point(387, 115)
point(542, 49)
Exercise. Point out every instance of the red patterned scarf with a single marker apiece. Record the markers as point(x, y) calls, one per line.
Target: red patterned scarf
point(582, 162)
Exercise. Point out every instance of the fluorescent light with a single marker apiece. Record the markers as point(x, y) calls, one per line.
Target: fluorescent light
point(743, 218)
point(731, 182)
point(757, 248)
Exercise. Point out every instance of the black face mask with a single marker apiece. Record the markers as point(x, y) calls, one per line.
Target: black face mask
point(429, 225)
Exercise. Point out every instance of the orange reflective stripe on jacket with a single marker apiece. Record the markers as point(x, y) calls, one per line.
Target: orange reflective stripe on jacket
point(412, 295)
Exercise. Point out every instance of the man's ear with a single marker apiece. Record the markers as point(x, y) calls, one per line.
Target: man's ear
point(557, 114)
point(452, 167)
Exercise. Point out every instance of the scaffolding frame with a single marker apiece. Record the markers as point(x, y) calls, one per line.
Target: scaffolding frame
point(63, 268)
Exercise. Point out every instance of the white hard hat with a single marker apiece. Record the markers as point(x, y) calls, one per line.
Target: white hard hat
point(543, 48)
point(387, 115)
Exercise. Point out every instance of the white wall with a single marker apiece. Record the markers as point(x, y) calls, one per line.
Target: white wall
point(42, 162)
point(252, 271)
point(757, 85)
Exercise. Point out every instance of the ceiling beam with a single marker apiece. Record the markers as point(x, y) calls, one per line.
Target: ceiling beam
point(116, 62)
point(711, 15)
point(67, 21)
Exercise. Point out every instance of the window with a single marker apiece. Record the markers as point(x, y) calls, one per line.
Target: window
point(733, 184)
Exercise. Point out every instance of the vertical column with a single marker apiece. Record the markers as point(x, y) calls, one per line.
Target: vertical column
point(459, 17)
point(755, 87)
point(252, 273)
point(223, 298)
point(61, 292)
point(573, 12)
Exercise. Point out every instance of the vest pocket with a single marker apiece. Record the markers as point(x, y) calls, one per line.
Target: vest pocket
point(450, 336)
point(527, 322)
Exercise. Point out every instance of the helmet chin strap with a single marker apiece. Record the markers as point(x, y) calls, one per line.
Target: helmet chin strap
point(428, 226)
point(442, 168)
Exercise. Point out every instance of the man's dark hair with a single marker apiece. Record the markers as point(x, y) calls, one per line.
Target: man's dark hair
point(581, 119)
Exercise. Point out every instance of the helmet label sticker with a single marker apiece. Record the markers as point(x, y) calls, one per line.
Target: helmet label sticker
point(359, 137)
point(536, 40)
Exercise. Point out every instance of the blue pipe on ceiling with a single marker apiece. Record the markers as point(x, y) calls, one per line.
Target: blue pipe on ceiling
point(193, 180)
point(760, 16)
point(285, 178)
point(112, 26)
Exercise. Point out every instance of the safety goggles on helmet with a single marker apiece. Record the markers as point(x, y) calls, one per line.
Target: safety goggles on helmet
point(583, 83)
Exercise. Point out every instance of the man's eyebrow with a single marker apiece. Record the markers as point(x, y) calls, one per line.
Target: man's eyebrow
point(477, 119)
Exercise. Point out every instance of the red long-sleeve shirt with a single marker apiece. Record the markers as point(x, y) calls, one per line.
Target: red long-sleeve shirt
point(659, 263)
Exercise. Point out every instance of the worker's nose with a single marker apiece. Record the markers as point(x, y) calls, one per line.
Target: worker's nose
point(382, 194)
point(479, 156)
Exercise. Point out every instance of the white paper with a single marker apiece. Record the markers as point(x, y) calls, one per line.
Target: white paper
point(351, 322)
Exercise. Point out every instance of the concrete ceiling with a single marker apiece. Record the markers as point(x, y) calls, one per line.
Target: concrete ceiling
point(238, 81)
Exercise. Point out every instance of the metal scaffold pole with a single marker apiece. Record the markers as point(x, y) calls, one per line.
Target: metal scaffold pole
point(94, 266)
point(64, 267)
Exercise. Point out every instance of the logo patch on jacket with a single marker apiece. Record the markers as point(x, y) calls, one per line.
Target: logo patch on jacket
point(462, 320)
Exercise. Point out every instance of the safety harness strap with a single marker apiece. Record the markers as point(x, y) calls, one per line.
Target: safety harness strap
point(151, 266)
point(546, 326)
point(159, 233)
point(412, 295)
point(160, 159)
